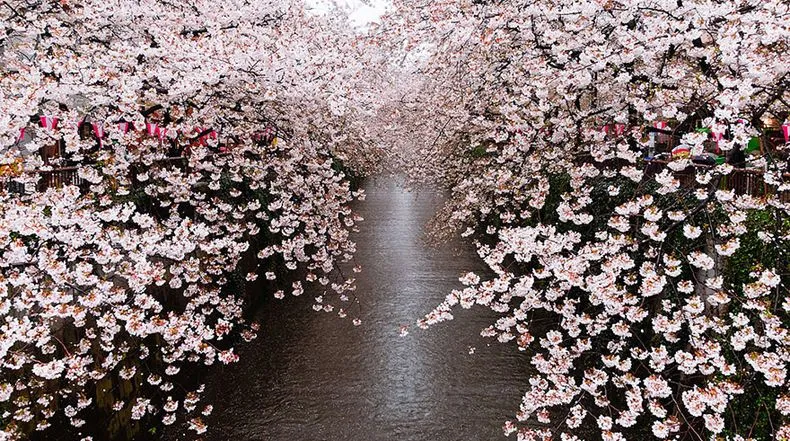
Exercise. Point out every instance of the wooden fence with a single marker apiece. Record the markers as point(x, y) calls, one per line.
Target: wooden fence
point(742, 180)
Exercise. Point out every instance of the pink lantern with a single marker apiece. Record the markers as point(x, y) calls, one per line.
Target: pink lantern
point(210, 135)
point(98, 130)
point(49, 122)
point(716, 138)
point(786, 131)
point(264, 135)
point(151, 129)
point(661, 125)
point(124, 127)
point(162, 133)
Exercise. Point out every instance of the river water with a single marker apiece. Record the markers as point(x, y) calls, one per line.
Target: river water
point(313, 376)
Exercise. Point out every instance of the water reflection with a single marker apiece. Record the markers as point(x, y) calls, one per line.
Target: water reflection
point(312, 376)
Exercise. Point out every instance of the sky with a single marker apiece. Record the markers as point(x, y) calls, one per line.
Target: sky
point(361, 12)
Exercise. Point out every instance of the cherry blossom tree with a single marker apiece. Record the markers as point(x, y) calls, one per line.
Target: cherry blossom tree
point(170, 143)
point(616, 163)
point(602, 155)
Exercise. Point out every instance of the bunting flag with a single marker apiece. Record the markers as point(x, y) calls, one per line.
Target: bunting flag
point(661, 125)
point(49, 122)
point(786, 131)
point(619, 129)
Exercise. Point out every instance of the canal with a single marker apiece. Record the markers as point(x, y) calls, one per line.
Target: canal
point(313, 376)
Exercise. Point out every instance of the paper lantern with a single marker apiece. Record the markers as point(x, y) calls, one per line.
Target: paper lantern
point(49, 122)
